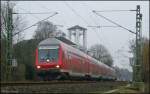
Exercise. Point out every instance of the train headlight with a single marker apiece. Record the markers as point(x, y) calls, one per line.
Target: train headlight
point(57, 66)
point(38, 67)
point(47, 60)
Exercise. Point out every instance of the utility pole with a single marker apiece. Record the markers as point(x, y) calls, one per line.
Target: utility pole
point(137, 68)
point(9, 46)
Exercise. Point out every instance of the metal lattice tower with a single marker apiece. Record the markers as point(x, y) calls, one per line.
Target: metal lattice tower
point(138, 60)
point(9, 47)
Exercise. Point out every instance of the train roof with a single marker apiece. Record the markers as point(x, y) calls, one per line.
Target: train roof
point(65, 40)
point(56, 40)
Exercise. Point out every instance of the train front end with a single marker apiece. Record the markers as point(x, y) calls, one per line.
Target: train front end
point(48, 59)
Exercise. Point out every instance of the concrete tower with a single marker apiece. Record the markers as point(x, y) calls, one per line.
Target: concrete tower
point(78, 31)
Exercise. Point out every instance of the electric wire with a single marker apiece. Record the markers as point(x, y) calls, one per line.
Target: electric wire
point(80, 17)
point(97, 23)
point(35, 23)
point(74, 11)
point(97, 34)
point(113, 22)
point(117, 25)
point(34, 13)
point(28, 12)
point(49, 9)
point(114, 10)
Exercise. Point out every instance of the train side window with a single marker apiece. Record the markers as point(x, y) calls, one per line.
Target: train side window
point(69, 58)
point(63, 56)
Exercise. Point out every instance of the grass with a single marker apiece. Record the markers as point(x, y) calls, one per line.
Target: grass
point(127, 90)
point(130, 88)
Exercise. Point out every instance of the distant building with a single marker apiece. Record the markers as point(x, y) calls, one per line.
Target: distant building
point(77, 32)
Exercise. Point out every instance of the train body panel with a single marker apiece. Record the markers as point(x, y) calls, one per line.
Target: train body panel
point(74, 63)
point(55, 54)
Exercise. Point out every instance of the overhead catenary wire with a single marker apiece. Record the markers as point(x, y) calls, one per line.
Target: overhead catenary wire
point(95, 21)
point(102, 26)
point(74, 11)
point(56, 24)
point(28, 12)
point(39, 13)
point(97, 34)
point(113, 22)
point(118, 11)
point(33, 13)
point(114, 10)
point(89, 15)
point(35, 23)
point(80, 17)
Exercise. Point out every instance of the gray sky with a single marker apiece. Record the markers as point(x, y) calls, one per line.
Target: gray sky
point(113, 39)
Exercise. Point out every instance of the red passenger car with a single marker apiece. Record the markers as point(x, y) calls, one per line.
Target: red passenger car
point(56, 59)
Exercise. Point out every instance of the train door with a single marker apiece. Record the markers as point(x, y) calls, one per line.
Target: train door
point(64, 58)
point(87, 67)
point(66, 61)
point(69, 63)
point(84, 65)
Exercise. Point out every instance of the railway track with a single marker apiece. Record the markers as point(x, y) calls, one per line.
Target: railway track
point(53, 82)
point(59, 86)
point(43, 83)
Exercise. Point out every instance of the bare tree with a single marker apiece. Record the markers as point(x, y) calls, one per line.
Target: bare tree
point(18, 23)
point(145, 57)
point(59, 33)
point(123, 74)
point(44, 30)
point(100, 53)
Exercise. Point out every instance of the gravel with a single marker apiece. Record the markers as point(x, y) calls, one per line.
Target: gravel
point(62, 88)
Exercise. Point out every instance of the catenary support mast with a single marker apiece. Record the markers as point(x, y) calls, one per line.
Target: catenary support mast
point(137, 68)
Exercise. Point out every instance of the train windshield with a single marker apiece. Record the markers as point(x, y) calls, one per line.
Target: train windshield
point(49, 54)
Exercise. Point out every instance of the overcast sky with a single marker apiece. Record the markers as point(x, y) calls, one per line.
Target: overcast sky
point(114, 39)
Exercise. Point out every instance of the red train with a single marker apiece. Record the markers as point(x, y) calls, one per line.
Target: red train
point(56, 59)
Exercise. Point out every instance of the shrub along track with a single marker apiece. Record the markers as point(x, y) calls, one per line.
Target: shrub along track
point(59, 86)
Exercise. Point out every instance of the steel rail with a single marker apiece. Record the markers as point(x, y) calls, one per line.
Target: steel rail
point(19, 83)
point(44, 83)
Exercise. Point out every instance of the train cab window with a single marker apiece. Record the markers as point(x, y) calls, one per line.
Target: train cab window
point(49, 55)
